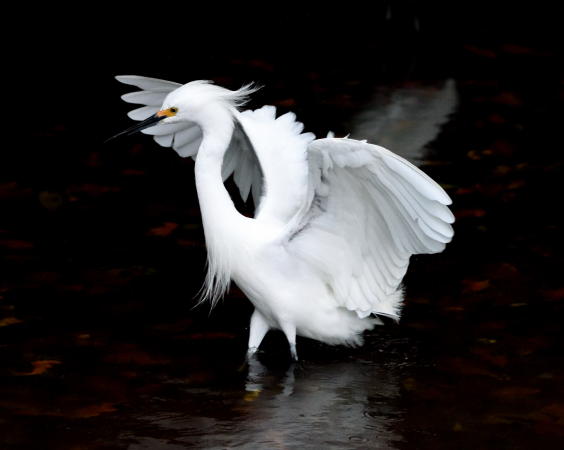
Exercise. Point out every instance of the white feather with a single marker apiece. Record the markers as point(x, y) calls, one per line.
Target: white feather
point(149, 98)
point(147, 83)
point(189, 149)
point(164, 140)
point(163, 129)
point(185, 137)
point(370, 215)
point(142, 113)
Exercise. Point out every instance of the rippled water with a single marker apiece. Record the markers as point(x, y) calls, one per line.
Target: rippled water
point(342, 404)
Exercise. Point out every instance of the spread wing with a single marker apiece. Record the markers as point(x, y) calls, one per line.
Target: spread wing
point(367, 211)
point(281, 152)
point(185, 138)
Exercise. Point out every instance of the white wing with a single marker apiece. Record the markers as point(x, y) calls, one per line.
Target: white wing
point(405, 120)
point(281, 149)
point(185, 138)
point(367, 211)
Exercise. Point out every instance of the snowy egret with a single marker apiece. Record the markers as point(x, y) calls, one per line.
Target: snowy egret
point(336, 219)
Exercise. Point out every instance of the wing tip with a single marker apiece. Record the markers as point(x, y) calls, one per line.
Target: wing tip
point(125, 79)
point(445, 198)
point(128, 97)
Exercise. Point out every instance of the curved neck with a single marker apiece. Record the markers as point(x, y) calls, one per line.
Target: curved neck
point(223, 225)
point(215, 203)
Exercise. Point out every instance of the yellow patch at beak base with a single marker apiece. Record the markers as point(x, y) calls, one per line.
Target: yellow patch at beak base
point(166, 113)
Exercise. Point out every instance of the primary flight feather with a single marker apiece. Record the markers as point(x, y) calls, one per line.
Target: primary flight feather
point(336, 220)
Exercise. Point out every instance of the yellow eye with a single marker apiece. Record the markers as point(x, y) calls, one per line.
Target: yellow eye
point(173, 110)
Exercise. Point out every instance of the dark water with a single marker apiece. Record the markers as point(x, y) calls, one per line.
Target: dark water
point(102, 251)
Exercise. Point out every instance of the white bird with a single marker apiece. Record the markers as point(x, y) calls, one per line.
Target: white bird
point(336, 220)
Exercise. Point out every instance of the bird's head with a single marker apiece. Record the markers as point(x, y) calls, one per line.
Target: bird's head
point(200, 102)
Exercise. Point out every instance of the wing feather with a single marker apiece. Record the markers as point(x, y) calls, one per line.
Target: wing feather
point(163, 129)
point(185, 138)
point(277, 142)
point(409, 200)
point(164, 140)
point(243, 176)
point(142, 113)
point(147, 83)
point(370, 210)
point(148, 98)
point(189, 149)
point(229, 163)
point(186, 135)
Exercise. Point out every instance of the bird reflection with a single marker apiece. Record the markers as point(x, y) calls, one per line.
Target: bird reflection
point(302, 405)
point(350, 404)
point(288, 381)
point(257, 372)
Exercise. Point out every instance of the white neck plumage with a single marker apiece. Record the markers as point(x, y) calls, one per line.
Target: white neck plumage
point(223, 224)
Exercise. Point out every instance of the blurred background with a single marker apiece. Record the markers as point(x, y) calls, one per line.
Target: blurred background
point(102, 251)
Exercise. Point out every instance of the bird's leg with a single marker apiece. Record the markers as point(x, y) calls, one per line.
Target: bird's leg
point(259, 328)
point(290, 332)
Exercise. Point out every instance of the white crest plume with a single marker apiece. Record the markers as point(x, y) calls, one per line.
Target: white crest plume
point(206, 90)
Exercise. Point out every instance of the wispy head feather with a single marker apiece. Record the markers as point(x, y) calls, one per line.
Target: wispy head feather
point(241, 96)
point(206, 91)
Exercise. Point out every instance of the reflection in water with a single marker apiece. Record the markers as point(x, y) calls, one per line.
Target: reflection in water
point(341, 404)
point(257, 373)
point(405, 120)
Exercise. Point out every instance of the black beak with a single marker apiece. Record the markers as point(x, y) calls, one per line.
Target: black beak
point(139, 126)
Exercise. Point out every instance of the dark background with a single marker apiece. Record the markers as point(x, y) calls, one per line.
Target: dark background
point(101, 247)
